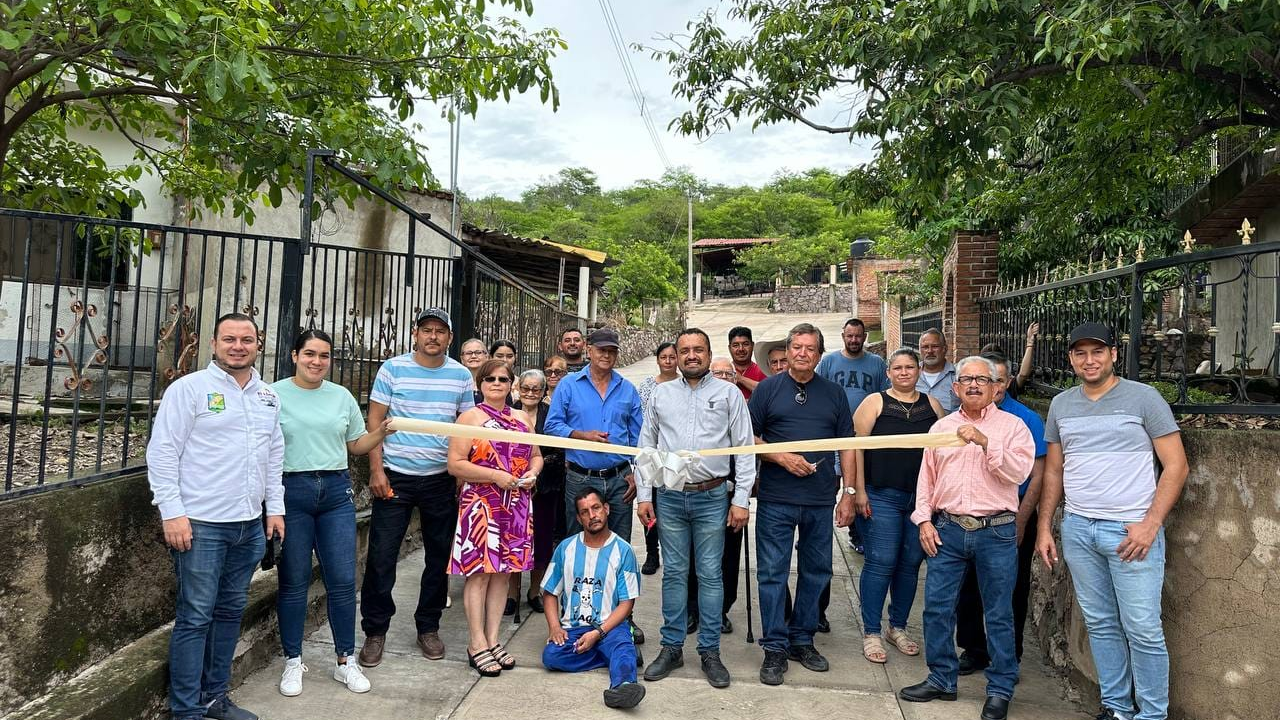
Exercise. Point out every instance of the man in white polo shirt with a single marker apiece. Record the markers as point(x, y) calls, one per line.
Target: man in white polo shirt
point(1104, 437)
point(409, 471)
point(215, 455)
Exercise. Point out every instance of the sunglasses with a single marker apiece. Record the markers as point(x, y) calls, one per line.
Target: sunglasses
point(528, 389)
point(557, 373)
point(495, 378)
point(801, 397)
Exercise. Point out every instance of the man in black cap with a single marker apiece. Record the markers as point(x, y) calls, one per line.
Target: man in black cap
point(1104, 436)
point(599, 405)
point(409, 470)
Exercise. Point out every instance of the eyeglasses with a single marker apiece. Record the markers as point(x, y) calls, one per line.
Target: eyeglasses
point(530, 390)
point(556, 373)
point(973, 379)
point(473, 353)
point(723, 374)
point(801, 397)
point(495, 379)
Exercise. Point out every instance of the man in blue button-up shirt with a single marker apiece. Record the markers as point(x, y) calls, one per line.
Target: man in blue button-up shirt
point(599, 405)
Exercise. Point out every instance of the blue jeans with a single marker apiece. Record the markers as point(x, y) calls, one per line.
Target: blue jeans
point(776, 526)
point(893, 558)
point(613, 489)
point(692, 521)
point(319, 515)
point(213, 590)
point(616, 651)
point(1121, 606)
point(994, 554)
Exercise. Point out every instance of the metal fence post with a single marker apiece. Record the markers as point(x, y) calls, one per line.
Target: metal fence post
point(1134, 351)
point(463, 301)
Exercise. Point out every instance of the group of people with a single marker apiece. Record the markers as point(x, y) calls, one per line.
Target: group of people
point(975, 511)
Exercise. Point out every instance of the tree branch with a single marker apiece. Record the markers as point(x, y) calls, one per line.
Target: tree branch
point(1211, 124)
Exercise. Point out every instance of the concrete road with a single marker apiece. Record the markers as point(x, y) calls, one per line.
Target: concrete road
point(408, 687)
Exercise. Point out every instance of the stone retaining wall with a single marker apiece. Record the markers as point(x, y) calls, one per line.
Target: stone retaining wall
point(812, 298)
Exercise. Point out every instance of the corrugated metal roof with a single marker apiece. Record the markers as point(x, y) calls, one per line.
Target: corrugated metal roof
point(732, 242)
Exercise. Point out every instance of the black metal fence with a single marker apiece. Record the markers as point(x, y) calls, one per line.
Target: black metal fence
point(1202, 327)
point(98, 316)
point(916, 322)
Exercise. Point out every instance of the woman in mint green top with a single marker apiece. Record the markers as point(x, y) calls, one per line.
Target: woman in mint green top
point(322, 424)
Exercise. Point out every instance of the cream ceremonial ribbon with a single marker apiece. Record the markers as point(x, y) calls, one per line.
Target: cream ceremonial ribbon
point(874, 442)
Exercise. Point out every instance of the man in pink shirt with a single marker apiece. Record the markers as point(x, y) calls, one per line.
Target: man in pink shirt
point(966, 507)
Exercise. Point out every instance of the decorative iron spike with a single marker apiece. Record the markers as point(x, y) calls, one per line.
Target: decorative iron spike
point(1089, 267)
point(1188, 242)
point(1142, 249)
point(1119, 258)
point(1246, 232)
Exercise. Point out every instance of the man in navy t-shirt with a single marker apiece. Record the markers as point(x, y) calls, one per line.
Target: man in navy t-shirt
point(797, 492)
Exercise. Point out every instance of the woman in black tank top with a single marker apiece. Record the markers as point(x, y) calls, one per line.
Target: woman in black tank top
point(886, 497)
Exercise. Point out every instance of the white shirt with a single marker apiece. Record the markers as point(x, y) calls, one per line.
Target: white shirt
point(216, 449)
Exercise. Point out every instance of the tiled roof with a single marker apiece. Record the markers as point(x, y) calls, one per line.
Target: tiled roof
point(732, 242)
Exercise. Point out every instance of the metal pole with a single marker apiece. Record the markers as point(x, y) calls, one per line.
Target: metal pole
point(689, 262)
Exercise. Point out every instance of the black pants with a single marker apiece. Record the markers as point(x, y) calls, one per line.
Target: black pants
point(436, 499)
point(970, 634)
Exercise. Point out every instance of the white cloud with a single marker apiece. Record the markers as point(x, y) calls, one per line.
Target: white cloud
point(508, 147)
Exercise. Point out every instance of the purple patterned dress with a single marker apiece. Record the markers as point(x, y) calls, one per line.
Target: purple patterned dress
point(495, 526)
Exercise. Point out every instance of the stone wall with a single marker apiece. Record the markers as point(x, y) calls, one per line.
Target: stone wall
point(812, 298)
point(1221, 590)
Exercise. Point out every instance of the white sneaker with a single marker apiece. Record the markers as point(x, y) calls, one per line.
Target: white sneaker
point(352, 676)
point(448, 601)
point(291, 678)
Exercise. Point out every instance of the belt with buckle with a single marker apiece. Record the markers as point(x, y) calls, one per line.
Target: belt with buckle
point(614, 471)
point(971, 523)
point(705, 485)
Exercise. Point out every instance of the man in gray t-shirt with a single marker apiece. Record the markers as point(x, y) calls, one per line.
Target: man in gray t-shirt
point(1104, 438)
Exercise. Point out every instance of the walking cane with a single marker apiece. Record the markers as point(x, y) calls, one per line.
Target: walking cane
point(746, 553)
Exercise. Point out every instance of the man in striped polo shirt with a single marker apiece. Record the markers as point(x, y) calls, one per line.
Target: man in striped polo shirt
point(407, 472)
point(588, 592)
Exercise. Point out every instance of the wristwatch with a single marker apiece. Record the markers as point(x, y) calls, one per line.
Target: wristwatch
point(850, 490)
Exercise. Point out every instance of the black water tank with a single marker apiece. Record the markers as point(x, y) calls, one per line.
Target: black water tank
point(860, 247)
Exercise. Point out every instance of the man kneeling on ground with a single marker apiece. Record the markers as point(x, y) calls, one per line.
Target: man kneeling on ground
point(587, 629)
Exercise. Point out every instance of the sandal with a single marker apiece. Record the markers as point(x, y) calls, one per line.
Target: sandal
point(872, 650)
point(902, 641)
point(504, 658)
point(484, 663)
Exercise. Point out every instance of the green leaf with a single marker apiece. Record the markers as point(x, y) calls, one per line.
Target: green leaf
point(122, 14)
point(9, 41)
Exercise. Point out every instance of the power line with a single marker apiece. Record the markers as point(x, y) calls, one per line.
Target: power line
point(633, 81)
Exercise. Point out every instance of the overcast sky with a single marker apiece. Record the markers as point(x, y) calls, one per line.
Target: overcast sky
point(509, 147)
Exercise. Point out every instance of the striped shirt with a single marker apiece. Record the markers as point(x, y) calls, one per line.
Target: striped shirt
point(969, 480)
point(591, 582)
point(410, 390)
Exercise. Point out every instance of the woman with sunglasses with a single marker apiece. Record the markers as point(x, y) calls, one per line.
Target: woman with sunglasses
point(886, 496)
point(555, 367)
point(321, 423)
point(495, 523)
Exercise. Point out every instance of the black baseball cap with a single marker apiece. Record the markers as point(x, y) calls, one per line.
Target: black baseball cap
point(434, 314)
point(603, 337)
point(1091, 331)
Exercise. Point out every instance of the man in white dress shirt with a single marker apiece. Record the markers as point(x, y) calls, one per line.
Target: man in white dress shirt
point(215, 456)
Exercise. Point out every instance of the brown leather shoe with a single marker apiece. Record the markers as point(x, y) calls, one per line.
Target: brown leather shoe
point(432, 646)
point(371, 651)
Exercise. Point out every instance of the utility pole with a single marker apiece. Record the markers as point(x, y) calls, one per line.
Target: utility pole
point(689, 266)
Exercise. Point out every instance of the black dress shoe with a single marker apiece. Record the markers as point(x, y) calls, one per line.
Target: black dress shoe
point(809, 657)
point(924, 692)
point(717, 674)
point(535, 603)
point(626, 695)
point(668, 659)
point(650, 564)
point(726, 625)
point(824, 626)
point(773, 667)
point(995, 708)
point(971, 663)
point(691, 626)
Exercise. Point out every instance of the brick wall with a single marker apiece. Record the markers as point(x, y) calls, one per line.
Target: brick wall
point(866, 281)
point(968, 271)
point(891, 322)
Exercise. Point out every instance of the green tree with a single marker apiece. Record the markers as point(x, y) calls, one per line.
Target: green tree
point(1060, 124)
point(222, 99)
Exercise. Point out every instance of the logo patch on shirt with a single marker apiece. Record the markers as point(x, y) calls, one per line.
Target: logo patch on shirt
point(267, 397)
point(217, 403)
